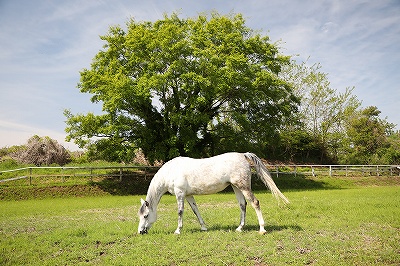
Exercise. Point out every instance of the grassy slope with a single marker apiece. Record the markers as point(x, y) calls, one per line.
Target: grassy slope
point(331, 221)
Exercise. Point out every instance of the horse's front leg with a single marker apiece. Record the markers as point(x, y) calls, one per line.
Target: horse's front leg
point(192, 203)
point(180, 199)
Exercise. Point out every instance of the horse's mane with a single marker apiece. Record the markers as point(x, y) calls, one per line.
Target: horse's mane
point(154, 192)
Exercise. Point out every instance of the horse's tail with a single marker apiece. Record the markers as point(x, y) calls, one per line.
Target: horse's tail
point(265, 176)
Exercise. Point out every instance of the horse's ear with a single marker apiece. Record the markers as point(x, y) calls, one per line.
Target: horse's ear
point(144, 202)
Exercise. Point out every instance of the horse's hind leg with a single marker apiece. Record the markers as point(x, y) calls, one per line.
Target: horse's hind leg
point(242, 204)
point(256, 205)
point(192, 203)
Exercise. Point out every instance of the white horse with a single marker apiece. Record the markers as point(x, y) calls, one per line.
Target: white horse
point(185, 177)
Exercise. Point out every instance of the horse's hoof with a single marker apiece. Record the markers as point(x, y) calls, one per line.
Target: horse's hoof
point(240, 228)
point(262, 232)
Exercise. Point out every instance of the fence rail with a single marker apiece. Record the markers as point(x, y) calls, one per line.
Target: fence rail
point(118, 171)
point(73, 171)
point(335, 170)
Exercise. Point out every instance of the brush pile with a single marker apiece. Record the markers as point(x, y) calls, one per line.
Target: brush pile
point(42, 151)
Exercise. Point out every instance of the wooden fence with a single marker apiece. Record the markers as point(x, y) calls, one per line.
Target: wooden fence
point(66, 172)
point(335, 170)
point(119, 171)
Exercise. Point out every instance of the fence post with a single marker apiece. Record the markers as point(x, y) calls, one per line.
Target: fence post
point(30, 176)
point(377, 170)
point(330, 170)
point(120, 174)
point(295, 171)
point(277, 171)
point(312, 171)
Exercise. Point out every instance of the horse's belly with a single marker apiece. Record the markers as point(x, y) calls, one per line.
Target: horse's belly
point(198, 185)
point(204, 188)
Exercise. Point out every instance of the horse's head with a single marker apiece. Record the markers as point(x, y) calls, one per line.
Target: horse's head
point(147, 216)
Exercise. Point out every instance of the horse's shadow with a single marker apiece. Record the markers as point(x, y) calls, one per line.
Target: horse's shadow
point(247, 228)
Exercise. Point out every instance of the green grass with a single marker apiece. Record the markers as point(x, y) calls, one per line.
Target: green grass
point(355, 226)
point(137, 182)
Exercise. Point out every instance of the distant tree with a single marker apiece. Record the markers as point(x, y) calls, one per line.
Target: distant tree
point(183, 87)
point(368, 140)
point(392, 153)
point(297, 145)
point(322, 113)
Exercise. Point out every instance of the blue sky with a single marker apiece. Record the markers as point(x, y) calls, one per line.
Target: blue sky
point(45, 43)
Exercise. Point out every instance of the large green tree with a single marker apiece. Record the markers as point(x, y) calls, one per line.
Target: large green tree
point(195, 86)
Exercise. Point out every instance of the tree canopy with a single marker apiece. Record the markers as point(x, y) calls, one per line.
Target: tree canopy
point(209, 84)
point(196, 86)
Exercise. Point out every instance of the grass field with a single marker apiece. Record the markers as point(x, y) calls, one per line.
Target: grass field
point(337, 225)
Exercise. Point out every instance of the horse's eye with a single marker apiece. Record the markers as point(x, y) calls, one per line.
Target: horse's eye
point(145, 217)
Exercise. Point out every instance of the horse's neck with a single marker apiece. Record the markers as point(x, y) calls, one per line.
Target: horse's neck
point(156, 190)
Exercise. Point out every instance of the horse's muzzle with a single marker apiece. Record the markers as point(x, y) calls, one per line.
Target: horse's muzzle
point(144, 231)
